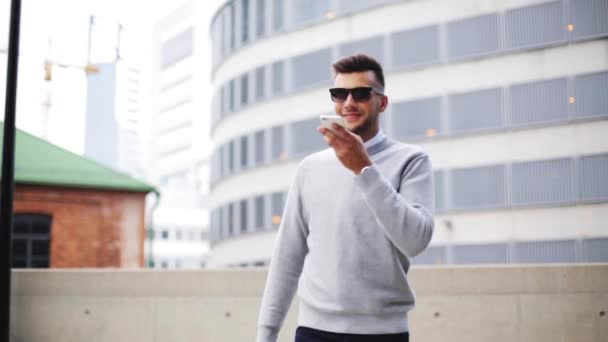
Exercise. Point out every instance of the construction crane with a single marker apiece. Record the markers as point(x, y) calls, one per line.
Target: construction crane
point(49, 64)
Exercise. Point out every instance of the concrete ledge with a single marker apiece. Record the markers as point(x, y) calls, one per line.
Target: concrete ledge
point(489, 303)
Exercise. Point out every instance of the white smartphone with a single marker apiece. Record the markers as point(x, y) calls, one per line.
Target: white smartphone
point(327, 120)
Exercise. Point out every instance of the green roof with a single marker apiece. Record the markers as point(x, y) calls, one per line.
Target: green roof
point(42, 163)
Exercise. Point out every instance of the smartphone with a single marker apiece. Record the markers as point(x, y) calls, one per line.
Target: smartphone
point(327, 120)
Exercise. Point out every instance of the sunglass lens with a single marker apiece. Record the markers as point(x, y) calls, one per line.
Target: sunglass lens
point(339, 94)
point(361, 94)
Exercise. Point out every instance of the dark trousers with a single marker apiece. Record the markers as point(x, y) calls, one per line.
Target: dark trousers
point(305, 334)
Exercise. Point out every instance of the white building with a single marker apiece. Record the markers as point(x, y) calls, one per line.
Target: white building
point(179, 140)
point(507, 97)
point(113, 117)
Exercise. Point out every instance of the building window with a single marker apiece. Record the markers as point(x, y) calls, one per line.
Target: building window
point(277, 207)
point(260, 17)
point(244, 89)
point(230, 219)
point(232, 22)
point(244, 221)
point(277, 77)
point(178, 234)
point(231, 98)
point(278, 147)
point(31, 241)
point(177, 48)
point(260, 148)
point(260, 83)
point(165, 234)
point(259, 212)
point(244, 154)
point(231, 157)
point(245, 21)
point(310, 69)
point(277, 15)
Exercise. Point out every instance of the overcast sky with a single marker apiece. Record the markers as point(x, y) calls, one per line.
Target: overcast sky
point(65, 23)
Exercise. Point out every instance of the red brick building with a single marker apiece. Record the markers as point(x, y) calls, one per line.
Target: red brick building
point(73, 212)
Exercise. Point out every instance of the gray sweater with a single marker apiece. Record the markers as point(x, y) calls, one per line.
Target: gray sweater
point(345, 243)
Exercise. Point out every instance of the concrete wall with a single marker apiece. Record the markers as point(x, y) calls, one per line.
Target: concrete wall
point(494, 303)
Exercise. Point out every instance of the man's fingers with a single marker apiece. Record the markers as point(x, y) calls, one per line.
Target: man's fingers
point(330, 137)
point(340, 131)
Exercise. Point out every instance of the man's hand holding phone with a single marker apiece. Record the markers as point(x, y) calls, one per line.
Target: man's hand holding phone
point(348, 146)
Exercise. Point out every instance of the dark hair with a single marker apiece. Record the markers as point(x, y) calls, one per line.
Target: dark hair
point(357, 63)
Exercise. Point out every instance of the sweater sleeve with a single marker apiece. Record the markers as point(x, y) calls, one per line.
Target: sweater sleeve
point(286, 264)
point(406, 214)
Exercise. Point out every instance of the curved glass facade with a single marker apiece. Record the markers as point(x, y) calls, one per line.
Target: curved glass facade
point(242, 22)
point(450, 42)
point(531, 104)
point(529, 184)
point(544, 101)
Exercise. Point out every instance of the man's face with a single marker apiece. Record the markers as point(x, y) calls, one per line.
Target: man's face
point(362, 118)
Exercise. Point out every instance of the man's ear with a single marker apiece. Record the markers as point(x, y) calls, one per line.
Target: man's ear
point(383, 103)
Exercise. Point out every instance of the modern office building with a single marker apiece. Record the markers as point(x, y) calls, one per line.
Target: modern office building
point(178, 142)
point(509, 98)
point(112, 117)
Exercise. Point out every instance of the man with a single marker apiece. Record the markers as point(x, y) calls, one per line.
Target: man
point(355, 215)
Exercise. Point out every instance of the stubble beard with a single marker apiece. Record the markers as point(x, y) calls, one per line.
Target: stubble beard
point(365, 127)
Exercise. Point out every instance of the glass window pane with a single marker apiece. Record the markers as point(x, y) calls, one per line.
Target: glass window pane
point(245, 21)
point(177, 48)
point(39, 263)
point(534, 26)
point(479, 187)
point(415, 47)
point(19, 247)
point(40, 248)
point(244, 152)
point(589, 17)
point(278, 146)
point(305, 139)
point(260, 83)
point(593, 177)
point(19, 262)
point(370, 46)
point(311, 68)
point(473, 37)
point(244, 219)
point(21, 226)
point(417, 118)
point(476, 111)
point(542, 182)
point(244, 90)
point(545, 252)
point(590, 98)
point(259, 211)
point(260, 27)
point(308, 11)
point(539, 102)
point(260, 147)
point(41, 225)
point(277, 77)
point(278, 13)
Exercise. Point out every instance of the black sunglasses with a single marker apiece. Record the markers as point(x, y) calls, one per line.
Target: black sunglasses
point(360, 94)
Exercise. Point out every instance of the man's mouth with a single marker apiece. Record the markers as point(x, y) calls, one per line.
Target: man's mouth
point(351, 117)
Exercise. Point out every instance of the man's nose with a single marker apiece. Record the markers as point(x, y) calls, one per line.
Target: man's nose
point(349, 100)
